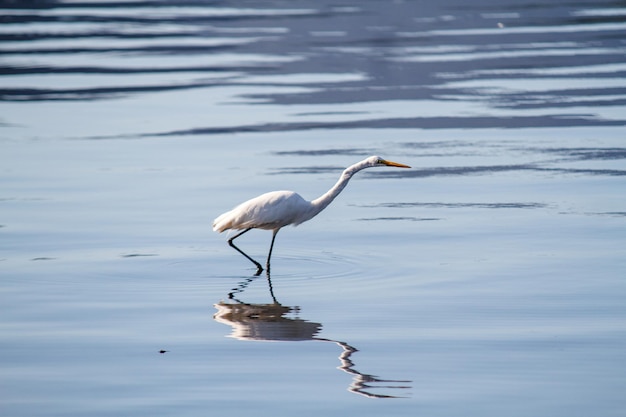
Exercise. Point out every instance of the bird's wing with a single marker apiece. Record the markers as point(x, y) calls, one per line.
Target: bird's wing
point(268, 211)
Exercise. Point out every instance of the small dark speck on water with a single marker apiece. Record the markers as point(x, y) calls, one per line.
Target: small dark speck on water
point(136, 255)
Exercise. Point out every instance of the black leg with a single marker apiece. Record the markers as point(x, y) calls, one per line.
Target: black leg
point(230, 242)
point(269, 255)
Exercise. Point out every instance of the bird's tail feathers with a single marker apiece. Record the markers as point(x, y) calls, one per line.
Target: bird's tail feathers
point(222, 223)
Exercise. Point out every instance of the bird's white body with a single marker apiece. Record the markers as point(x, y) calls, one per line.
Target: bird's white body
point(269, 211)
point(276, 209)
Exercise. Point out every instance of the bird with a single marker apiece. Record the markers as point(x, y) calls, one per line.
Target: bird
point(277, 209)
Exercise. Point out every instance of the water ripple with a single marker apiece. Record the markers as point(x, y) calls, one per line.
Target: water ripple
point(415, 73)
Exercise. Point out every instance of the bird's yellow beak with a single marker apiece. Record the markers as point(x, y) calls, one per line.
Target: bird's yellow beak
point(394, 164)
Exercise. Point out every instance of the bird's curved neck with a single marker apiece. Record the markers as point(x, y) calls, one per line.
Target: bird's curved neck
point(324, 200)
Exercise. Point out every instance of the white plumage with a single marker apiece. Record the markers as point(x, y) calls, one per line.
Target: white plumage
point(268, 211)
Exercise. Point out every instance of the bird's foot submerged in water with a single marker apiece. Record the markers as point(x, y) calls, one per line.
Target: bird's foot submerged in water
point(260, 269)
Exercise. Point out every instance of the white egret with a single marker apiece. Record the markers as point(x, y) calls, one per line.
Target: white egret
point(276, 209)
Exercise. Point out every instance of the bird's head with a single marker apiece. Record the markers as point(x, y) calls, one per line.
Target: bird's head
point(377, 161)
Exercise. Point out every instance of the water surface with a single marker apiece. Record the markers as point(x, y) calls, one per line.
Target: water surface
point(487, 280)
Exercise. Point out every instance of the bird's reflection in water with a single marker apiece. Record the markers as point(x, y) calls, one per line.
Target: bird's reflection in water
point(270, 322)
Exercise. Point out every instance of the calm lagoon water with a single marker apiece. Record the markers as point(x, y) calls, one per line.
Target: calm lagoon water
point(488, 280)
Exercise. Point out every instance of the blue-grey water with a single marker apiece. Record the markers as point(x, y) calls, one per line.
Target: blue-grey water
point(488, 280)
